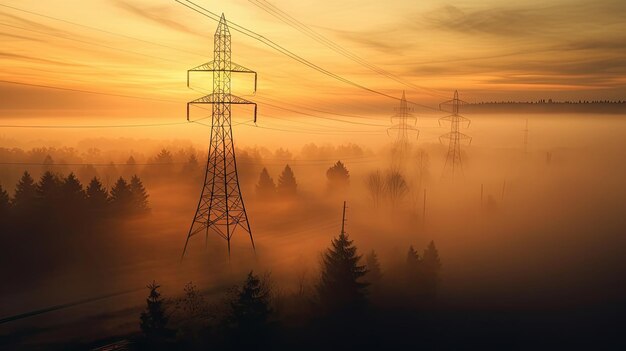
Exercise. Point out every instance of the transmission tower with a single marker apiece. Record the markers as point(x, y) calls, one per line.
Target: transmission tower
point(455, 137)
point(221, 206)
point(403, 116)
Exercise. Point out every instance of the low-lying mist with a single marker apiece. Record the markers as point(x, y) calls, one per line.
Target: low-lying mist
point(517, 231)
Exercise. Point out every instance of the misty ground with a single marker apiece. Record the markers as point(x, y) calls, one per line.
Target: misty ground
point(539, 261)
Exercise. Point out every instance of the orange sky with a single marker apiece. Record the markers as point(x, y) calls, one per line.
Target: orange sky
point(490, 50)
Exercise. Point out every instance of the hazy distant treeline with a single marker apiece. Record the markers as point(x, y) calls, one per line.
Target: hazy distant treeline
point(543, 106)
point(150, 165)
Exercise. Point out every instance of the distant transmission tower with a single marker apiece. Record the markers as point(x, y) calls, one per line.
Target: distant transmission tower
point(402, 116)
point(221, 206)
point(453, 159)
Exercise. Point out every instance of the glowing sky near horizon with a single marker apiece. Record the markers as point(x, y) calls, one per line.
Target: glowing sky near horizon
point(490, 50)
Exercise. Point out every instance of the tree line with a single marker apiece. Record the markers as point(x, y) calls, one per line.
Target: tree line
point(338, 178)
point(55, 195)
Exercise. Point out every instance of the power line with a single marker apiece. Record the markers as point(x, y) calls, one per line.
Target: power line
point(89, 43)
point(306, 30)
point(99, 30)
point(207, 13)
point(87, 91)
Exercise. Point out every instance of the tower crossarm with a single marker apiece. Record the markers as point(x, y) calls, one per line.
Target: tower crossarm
point(214, 98)
point(213, 66)
point(451, 103)
point(403, 118)
point(404, 127)
point(455, 136)
point(456, 118)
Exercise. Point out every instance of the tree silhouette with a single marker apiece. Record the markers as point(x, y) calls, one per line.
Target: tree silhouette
point(191, 167)
point(251, 311)
point(139, 196)
point(338, 176)
point(266, 188)
point(340, 289)
point(49, 189)
point(414, 274)
point(131, 166)
point(97, 196)
point(121, 197)
point(47, 163)
point(396, 186)
point(25, 193)
point(431, 267)
point(153, 318)
point(5, 205)
point(109, 172)
point(287, 182)
point(72, 192)
point(376, 187)
point(163, 157)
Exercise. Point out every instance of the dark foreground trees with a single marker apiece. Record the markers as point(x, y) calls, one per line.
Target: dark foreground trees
point(341, 288)
point(154, 320)
point(250, 313)
point(340, 313)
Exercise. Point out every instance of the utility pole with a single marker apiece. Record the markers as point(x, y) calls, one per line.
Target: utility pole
point(453, 158)
point(221, 207)
point(343, 220)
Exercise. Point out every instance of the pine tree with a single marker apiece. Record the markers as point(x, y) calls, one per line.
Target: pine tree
point(412, 258)
point(121, 197)
point(340, 288)
point(431, 266)
point(48, 162)
point(153, 318)
point(287, 182)
point(25, 193)
point(338, 176)
point(5, 205)
point(191, 167)
point(49, 189)
point(251, 311)
point(266, 188)
point(131, 167)
point(72, 191)
point(97, 196)
point(414, 274)
point(164, 157)
point(139, 196)
point(374, 273)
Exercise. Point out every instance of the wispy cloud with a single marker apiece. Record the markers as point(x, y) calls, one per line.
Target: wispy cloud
point(156, 14)
point(494, 21)
point(19, 37)
point(371, 40)
point(8, 55)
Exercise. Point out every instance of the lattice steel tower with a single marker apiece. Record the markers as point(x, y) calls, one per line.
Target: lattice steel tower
point(403, 116)
point(453, 159)
point(221, 206)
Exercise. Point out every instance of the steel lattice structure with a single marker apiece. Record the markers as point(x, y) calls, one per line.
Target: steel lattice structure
point(221, 207)
point(402, 116)
point(453, 159)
